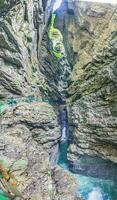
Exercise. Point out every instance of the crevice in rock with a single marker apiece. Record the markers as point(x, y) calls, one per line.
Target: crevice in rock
point(26, 18)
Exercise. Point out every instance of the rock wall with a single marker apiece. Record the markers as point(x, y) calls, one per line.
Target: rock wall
point(29, 130)
point(90, 36)
point(22, 25)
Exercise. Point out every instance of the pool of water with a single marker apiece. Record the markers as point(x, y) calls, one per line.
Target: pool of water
point(89, 188)
point(96, 188)
point(3, 196)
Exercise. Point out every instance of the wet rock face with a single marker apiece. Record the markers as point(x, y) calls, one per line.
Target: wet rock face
point(90, 32)
point(29, 131)
point(22, 25)
point(55, 70)
point(5, 6)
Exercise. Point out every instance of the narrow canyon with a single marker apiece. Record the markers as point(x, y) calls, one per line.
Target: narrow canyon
point(58, 100)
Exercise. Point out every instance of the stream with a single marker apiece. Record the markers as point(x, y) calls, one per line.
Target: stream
point(89, 188)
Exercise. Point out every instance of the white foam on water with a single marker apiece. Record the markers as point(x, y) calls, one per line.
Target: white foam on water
point(95, 194)
point(64, 135)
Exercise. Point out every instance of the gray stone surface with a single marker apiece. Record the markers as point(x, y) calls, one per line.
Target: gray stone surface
point(29, 132)
point(90, 36)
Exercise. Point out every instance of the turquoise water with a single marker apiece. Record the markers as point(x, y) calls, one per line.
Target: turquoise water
point(89, 188)
point(63, 155)
point(92, 187)
point(3, 196)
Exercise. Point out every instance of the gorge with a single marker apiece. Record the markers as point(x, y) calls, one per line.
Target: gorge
point(58, 100)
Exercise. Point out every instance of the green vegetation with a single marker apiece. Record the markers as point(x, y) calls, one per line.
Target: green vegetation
point(47, 172)
point(56, 38)
point(58, 55)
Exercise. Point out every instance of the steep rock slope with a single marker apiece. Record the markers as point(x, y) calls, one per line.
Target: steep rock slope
point(21, 25)
point(29, 130)
point(90, 36)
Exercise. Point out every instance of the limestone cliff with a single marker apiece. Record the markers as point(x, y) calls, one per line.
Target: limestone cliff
point(32, 80)
point(29, 129)
point(90, 37)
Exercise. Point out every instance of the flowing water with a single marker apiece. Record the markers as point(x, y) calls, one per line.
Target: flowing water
point(89, 188)
point(63, 123)
point(96, 189)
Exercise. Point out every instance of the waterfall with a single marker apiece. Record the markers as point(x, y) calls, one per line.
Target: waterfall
point(63, 123)
point(88, 188)
point(63, 144)
point(65, 69)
